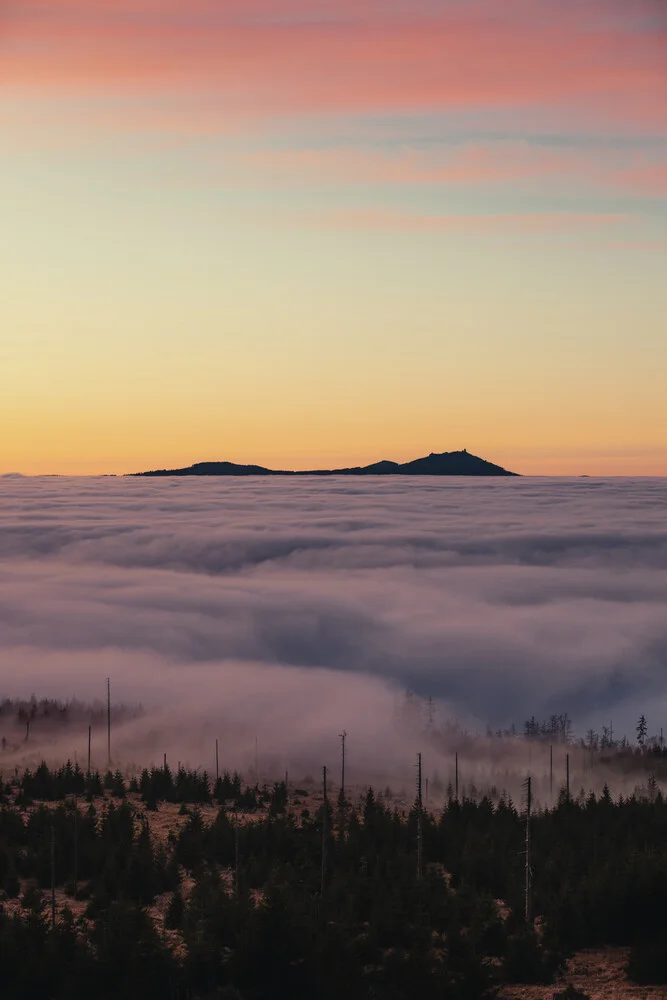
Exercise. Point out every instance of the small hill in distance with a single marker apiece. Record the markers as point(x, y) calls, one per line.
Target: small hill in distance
point(446, 463)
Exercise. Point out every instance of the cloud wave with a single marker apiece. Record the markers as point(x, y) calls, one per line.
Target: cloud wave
point(499, 599)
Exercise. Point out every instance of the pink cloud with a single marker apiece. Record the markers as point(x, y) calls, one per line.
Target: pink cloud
point(465, 165)
point(649, 179)
point(501, 223)
point(364, 58)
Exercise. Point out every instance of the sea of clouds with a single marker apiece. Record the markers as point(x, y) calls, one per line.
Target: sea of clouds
point(295, 608)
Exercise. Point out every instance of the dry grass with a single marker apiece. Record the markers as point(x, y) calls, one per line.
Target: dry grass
point(598, 974)
point(12, 907)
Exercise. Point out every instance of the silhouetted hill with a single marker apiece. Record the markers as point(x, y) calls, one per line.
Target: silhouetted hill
point(452, 463)
point(447, 463)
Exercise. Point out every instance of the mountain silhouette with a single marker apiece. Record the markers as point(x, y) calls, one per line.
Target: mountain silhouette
point(446, 463)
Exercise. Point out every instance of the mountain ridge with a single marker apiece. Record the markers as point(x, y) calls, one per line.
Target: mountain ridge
point(446, 463)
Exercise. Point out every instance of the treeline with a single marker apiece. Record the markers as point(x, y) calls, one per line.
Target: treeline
point(45, 713)
point(155, 785)
point(327, 902)
point(558, 728)
point(420, 715)
point(159, 784)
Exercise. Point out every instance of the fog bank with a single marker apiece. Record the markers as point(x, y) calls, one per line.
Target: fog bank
point(290, 610)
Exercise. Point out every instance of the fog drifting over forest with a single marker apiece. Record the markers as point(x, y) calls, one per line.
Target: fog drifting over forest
point(293, 609)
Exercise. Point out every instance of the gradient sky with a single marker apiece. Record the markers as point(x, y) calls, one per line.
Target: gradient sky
point(304, 233)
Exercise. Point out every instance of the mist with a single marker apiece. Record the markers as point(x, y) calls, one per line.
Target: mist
point(288, 611)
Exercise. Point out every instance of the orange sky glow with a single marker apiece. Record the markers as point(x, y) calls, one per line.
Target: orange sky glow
point(315, 234)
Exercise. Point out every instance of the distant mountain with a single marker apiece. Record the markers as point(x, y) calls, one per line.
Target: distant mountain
point(447, 463)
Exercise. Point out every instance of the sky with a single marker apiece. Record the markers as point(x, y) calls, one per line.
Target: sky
point(309, 608)
point(312, 233)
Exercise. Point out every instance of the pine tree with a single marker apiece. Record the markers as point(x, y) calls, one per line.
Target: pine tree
point(642, 730)
point(173, 920)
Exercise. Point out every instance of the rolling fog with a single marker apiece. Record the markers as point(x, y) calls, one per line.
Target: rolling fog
point(288, 611)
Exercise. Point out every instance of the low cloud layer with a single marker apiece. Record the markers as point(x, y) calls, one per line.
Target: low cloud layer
point(297, 609)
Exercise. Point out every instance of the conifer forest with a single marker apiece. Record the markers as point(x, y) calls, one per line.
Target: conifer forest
point(267, 890)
